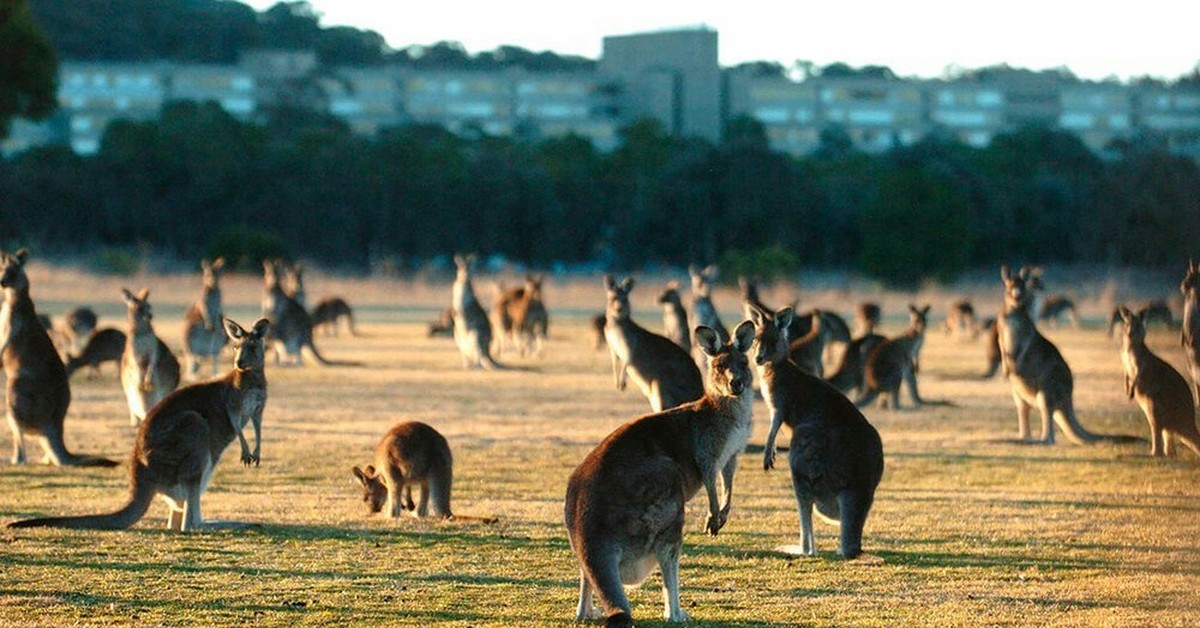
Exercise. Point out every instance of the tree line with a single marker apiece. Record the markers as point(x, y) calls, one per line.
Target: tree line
point(197, 182)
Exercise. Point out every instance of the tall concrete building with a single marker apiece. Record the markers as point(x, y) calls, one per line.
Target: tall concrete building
point(672, 76)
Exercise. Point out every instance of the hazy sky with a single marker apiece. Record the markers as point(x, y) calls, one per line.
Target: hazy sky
point(914, 37)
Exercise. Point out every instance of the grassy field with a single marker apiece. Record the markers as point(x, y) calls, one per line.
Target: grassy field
point(973, 529)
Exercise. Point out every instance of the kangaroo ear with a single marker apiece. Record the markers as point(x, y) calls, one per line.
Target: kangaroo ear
point(1005, 272)
point(757, 317)
point(708, 340)
point(693, 270)
point(711, 271)
point(783, 318)
point(261, 326)
point(232, 329)
point(672, 285)
point(1125, 313)
point(743, 336)
point(143, 294)
point(128, 296)
point(21, 255)
point(627, 284)
point(218, 263)
point(609, 283)
point(360, 475)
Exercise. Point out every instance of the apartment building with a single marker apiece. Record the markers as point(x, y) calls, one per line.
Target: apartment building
point(672, 76)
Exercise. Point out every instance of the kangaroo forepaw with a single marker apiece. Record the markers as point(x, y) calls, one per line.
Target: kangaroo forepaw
point(249, 459)
point(769, 460)
point(715, 522)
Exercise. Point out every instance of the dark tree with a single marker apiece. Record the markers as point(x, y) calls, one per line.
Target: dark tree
point(28, 67)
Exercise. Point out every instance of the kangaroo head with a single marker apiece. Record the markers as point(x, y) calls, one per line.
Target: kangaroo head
point(670, 294)
point(210, 272)
point(138, 306)
point(533, 286)
point(618, 297)
point(1191, 279)
point(918, 318)
point(249, 347)
point(270, 274)
point(770, 334)
point(1135, 324)
point(702, 279)
point(463, 265)
point(728, 367)
point(12, 270)
point(374, 492)
point(296, 275)
point(1017, 294)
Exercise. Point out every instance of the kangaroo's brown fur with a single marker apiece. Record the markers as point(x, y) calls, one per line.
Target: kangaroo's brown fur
point(328, 312)
point(895, 361)
point(410, 454)
point(663, 371)
point(181, 441)
point(203, 337)
point(291, 327)
point(624, 508)
point(960, 321)
point(78, 325)
point(866, 318)
point(149, 371)
point(104, 345)
point(1162, 393)
point(520, 317)
point(675, 317)
point(836, 456)
point(37, 393)
point(1190, 334)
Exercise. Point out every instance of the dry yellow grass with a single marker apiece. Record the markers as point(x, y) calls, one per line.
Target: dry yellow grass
point(974, 530)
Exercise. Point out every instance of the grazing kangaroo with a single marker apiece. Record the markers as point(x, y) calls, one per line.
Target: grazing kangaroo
point(1035, 368)
point(328, 312)
point(202, 333)
point(149, 371)
point(472, 329)
point(897, 360)
point(411, 453)
point(291, 327)
point(1190, 335)
point(675, 318)
point(37, 392)
point(104, 345)
point(960, 321)
point(1161, 392)
point(624, 508)
point(181, 441)
point(663, 371)
point(836, 456)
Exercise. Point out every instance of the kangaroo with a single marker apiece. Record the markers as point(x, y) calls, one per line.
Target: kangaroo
point(1161, 392)
point(851, 372)
point(181, 441)
point(624, 507)
point(1190, 334)
point(664, 372)
point(992, 349)
point(520, 315)
point(37, 392)
point(675, 318)
point(149, 371)
point(443, 326)
point(806, 350)
point(329, 311)
point(411, 453)
point(1036, 370)
point(866, 318)
point(897, 360)
point(596, 327)
point(960, 321)
point(836, 456)
point(291, 327)
point(104, 345)
point(702, 306)
point(472, 329)
point(202, 333)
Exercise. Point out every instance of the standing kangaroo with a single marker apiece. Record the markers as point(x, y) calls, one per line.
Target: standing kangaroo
point(836, 456)
point(291, 327)
point(664, 372)
point(675, 318)
point(37, 392)
point(960, 321)
point(104, 345)
point(1190, 335)
point(895, 361)
point(866, 317)
point(1036, 370)
point(149, 371)
point(520, 315)
point(411, 453)
point(202, 333)
point(181, 441)
point(78, 325)
point(472, 329)
point(1161, 392)
point(624, 508)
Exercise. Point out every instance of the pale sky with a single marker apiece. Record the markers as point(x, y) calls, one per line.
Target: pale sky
point(1095, 40)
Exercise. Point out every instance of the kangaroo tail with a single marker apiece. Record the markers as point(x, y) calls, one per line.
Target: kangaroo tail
point(867, 398)
point(350, 322)
point(324, 362)
point(139, 502)
point(473, 519)
point(63, 458)
point(620, 619)
point(1070, 425)
point(600, 568)
point(1191, 439)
